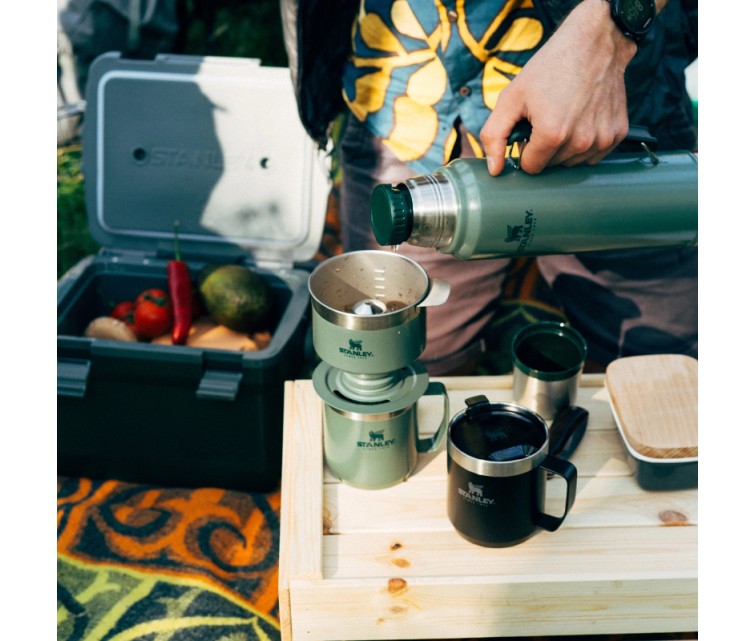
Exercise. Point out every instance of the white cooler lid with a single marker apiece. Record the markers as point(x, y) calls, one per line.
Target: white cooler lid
point(214, 143)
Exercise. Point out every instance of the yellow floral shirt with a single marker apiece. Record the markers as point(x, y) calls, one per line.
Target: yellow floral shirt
point(419, 65)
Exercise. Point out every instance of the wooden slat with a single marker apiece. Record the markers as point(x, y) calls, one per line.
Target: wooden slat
point(431, 608)
point(285, 543)
point(567, 554)
point(421, 506)
point(504, 381)
point(301, 511)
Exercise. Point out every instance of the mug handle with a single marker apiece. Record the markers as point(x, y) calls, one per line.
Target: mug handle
point(568, 472)
point(432, 443)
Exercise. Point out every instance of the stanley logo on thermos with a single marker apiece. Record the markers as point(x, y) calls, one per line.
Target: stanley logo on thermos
point(355, 349)
point(522, 234)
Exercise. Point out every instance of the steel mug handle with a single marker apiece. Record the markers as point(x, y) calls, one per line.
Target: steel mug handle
point(432, 443)
point(568, 472)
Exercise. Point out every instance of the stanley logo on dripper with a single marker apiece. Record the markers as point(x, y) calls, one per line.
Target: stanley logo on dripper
point(355, 350)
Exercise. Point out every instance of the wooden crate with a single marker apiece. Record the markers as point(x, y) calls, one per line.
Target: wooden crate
point(387, 564)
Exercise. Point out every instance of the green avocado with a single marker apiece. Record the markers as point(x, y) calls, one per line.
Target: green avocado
point(236, 297)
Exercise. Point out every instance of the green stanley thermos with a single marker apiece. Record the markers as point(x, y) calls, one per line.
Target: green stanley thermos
point(626, 201)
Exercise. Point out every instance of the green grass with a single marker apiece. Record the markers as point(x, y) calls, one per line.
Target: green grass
point(247, 30)
point(74, 240)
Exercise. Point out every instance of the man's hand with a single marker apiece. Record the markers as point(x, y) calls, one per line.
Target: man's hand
point(573, 93)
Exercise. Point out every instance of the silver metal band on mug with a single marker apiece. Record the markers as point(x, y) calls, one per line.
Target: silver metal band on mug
point(498, 469)
point(351, 321)
point(367, 418)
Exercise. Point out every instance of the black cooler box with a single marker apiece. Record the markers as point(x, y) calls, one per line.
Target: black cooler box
point(215, 144)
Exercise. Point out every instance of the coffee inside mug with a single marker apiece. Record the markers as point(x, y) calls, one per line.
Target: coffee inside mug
point(502, 435)
point(549, 350)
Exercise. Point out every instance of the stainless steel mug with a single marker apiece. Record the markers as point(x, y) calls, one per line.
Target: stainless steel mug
point(547, 359)
point(497, 460)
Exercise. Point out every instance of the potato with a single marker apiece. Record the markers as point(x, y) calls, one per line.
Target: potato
point(110, 328)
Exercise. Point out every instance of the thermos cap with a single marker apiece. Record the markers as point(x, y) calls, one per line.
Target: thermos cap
point(391, 214)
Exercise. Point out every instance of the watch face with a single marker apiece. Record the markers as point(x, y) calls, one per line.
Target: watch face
point(637, 14)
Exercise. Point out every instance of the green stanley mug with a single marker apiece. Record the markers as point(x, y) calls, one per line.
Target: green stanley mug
point(377, 446)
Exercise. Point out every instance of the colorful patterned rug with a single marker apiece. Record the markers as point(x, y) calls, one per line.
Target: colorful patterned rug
point(160, 564)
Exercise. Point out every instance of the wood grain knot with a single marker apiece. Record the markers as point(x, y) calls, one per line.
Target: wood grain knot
point(400, 562)
point(395, 546)
point(397, 586)
point(673, 517)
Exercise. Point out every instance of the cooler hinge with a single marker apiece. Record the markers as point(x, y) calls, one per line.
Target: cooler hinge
point(125, 256)
point(73, 374)
point(219, 385)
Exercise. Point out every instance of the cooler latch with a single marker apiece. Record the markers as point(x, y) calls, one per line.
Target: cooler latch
point(219, 385)
point(73, 374)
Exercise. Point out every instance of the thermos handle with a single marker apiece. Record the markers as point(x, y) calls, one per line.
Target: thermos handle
point(635, 140)
point(638, 139)
point(432, 443)
point(568, 472)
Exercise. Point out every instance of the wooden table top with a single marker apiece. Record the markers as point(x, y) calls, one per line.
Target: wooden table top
point(387, 564)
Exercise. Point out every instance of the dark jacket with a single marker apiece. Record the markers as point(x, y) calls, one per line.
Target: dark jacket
point(318, 32)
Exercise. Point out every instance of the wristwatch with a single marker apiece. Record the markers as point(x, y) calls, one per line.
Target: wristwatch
point(633, 17)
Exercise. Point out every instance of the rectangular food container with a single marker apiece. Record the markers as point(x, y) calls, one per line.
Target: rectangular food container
point(215, 144)
point(654, 400)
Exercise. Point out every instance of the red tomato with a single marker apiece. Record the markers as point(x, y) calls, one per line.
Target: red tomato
point(152, 314)
point(155, 295)
point(124, 311)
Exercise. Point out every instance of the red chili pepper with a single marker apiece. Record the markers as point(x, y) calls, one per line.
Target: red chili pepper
point(180, 286)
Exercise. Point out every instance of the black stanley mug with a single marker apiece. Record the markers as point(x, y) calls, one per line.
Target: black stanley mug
point(497, 460)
